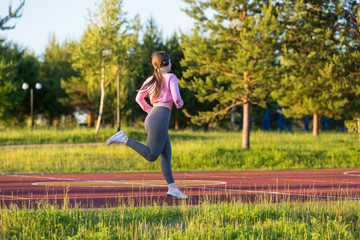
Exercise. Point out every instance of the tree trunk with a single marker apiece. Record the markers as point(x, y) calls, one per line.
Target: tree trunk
point(246, 127)
point(101, 98)
point(118, 121)
point(68, 121)
point(56, 122)
point(246, 117)
point(90, 119)
point(176, 124)
point(315, 124)
point(50, 121)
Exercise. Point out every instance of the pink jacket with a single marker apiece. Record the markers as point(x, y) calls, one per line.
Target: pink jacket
point(169, 93)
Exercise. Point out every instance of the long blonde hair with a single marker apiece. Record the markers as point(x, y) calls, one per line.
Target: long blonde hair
point(156, 84)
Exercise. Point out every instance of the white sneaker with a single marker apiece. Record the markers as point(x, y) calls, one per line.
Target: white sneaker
point(117, 138)
point(175, 192)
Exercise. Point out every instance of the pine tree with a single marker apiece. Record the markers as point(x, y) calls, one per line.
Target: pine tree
point(231, 55)
point(311, 56)
point(349, 23)
point(150, 42)
point(28, 70)
point(11, 94)
point(56, 68)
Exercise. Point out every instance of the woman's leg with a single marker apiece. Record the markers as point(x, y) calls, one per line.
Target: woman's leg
point(165, 161)
point(156, 126)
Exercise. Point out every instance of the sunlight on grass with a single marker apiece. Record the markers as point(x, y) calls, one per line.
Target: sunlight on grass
point(192, 151)
point(234, 220)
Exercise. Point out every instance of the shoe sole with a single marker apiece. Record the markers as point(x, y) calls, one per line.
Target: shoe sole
point(110, 141)
point(176, 196)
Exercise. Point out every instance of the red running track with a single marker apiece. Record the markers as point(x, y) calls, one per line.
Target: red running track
point(107, 190)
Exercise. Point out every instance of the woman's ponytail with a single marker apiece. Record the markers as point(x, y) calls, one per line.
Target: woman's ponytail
point(156, 84)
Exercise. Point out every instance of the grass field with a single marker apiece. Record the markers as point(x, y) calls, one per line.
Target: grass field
point(235, 220)
point(192, 151)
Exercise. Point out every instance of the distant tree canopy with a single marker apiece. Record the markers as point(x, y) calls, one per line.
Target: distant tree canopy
point(10, 79)
point(311, 59)
point(240, 58)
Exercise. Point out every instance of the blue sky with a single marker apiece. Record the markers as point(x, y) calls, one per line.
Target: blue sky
point(67, 19)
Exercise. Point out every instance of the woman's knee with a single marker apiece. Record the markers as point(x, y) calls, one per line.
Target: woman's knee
point(152, 158)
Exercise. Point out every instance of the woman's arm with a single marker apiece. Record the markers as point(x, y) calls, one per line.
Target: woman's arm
point(140, 99)
point(175, 92)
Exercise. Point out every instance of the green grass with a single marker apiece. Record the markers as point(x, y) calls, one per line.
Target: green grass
point(10, 136)
point(192, 151)
point(235, 220)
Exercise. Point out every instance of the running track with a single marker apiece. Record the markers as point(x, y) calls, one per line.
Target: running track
point(140, 189)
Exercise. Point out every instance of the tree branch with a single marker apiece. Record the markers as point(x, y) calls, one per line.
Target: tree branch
point(214, 114)
point(11, 14)
point(113, 77)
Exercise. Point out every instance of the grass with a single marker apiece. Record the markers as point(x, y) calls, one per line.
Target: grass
point(11, 136)
point(235, 220)
point(192, 151)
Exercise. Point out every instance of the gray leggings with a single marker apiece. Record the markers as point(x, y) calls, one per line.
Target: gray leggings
point(158, 141)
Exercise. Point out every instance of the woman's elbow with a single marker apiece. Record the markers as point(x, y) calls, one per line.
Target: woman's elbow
point(179, 103)
point(138, 99)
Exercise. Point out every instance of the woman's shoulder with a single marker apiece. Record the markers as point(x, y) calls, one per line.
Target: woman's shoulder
point(170, 76)
point(147, 80)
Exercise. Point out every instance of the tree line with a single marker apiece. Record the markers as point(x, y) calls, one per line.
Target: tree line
point(241, 56)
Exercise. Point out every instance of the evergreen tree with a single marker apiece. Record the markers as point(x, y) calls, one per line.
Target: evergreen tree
point(151, 41)
point(11, 94)
point(17, 67)
point(10, 86)
point(56, 67)
point(349, 23)
point(231, 54)
point(310, 84)
point(28, 70)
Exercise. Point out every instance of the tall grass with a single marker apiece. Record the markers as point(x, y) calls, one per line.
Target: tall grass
point(192, 151)
point(235, 220)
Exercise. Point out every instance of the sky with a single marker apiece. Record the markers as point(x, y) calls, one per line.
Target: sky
point(67, 19)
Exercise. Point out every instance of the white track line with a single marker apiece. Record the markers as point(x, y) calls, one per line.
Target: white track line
point(277, 193)
point(127, 182)
point(2, 197)
point(40, 177)
point(351, 173)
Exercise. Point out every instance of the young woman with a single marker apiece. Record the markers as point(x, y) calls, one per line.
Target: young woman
point(162, 88)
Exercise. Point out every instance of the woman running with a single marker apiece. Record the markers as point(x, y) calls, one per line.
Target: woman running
point(162, 88)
